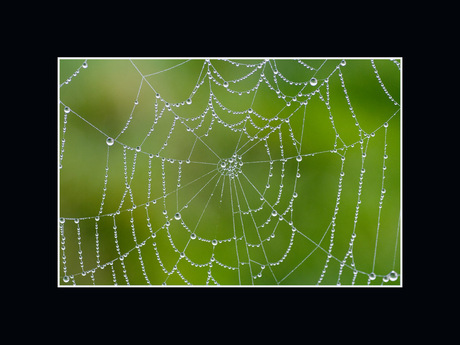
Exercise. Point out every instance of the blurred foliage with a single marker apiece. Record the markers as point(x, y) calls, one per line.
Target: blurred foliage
point(104, 95)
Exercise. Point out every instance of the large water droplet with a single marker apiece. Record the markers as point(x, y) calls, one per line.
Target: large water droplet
point(109, 141)
point(393, 276)
point(313, 81)
point(66, 110)
point(298, 158)
point(225, 84)
point(65, 279)
point(177, 216)
point(188, 101)
point(214, 242)
point(84, 65)
point(61, 220)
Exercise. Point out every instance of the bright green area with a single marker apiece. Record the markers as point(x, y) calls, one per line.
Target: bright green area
point(104, 94)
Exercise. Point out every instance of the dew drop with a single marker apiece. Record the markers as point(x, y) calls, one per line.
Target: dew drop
point(372, 276)
point(274, 213)
point(61, 220)
point(214, 242)
point(138, 149)
point(385, 124)
point(65, 279)
point(182, 255)
point(393, 276)
point(192, 236)
point(109, 141)
point(188, 101)
point(250, 110)
point(343, 63)
point(177, 216)
point(313, 81)
point(225, 84)
point(136, 102)
point(299, 158)
point(76, 220)
point(157, 95)
point(84, 65)
point(66, 110)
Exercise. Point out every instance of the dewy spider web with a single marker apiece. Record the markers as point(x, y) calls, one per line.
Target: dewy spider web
point(229, 171)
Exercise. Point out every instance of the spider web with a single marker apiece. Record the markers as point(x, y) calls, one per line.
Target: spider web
point(229, 172)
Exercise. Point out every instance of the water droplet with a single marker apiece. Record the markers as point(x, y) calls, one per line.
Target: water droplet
point(157, 95)
point(385, 124)
point(177, 216)
point(214, 242)
point(372, 276)
point(393, 276)
point(66, 110)
point(274, 213)
point(223, 164)
point(61, 220)
point(192, 236)
point(384, 190)
point(188, 101)
point(250, 110)
point(84, 65)
point(299, 158)
point(182, 255)
point(109, 141)
point(225, 84)
point(343, 63)
point(138, 149)
point(385, 156)
point(136, 102)
point(313, 81)
point(76, 220)
point(65, 279)
point(363, 170)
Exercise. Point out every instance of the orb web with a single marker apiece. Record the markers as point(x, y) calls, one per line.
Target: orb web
point(229, 172)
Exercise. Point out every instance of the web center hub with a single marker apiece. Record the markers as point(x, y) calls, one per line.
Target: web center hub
point(230, 167)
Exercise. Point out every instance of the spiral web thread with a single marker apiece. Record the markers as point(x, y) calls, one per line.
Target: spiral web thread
point(254, 183)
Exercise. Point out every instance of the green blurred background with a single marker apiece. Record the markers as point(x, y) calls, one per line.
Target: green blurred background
point(104, 94)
